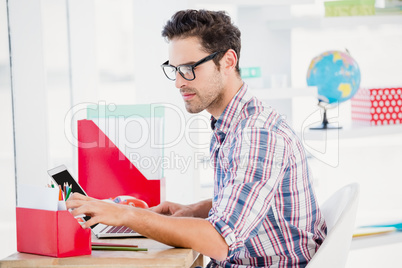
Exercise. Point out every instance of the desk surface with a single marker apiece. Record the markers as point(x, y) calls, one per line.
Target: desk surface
point(158, 255)
point(376, 240)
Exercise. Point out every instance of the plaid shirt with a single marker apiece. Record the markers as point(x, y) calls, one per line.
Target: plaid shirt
point(264, 205)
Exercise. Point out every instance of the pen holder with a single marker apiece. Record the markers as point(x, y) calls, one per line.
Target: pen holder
point(51, 233)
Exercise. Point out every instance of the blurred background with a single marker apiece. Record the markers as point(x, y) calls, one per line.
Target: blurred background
point(66, 54)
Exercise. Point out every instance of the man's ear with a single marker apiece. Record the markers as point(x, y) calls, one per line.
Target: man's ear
point(229, 61)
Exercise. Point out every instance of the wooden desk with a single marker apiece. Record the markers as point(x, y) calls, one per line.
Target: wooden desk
point(158, 255)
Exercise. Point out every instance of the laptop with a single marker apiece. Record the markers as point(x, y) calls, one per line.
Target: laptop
point(61, 175)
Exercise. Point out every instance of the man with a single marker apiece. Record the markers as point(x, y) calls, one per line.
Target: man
point(264, 211)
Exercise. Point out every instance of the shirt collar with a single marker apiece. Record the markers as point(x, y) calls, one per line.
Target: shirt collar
point(231, 111)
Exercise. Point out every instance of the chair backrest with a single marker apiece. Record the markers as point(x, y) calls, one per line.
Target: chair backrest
point(339, 212)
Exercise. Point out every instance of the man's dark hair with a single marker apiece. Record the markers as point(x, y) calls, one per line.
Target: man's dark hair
point(214, 29)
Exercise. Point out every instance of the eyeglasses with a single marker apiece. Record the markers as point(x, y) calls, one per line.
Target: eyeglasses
point(185, 70)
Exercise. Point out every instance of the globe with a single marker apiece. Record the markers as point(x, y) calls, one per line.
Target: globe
point(336, 75)
point(337, 78)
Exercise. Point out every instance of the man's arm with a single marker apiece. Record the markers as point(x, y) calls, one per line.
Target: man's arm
point(188, 232)
point(195, 233)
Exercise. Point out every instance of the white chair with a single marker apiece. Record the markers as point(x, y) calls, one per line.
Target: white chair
point(339, 213)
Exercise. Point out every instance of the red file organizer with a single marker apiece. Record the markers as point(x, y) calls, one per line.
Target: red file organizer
point(104, 171)
point(51, 233)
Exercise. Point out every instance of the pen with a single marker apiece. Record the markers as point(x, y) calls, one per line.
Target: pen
point(68, 193)
point(112, 245)
point(118, 248)
point(60, 194)
point(66, 188)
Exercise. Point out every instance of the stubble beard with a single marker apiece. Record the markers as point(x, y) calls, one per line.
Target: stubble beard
point(209, 101)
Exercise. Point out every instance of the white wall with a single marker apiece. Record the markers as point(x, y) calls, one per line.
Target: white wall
point(7, 178)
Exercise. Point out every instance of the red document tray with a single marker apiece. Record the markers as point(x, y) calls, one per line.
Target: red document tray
point(51, 233)
point(104, 171)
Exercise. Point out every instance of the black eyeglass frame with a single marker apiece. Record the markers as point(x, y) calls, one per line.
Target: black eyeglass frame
point(192, 66)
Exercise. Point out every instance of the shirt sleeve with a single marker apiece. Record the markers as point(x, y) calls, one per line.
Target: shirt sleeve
point(253, 164)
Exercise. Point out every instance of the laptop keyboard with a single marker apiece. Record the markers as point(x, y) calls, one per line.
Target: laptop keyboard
point(118, 229)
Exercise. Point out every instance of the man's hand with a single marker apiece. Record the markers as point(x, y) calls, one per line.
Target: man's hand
point(98, 210)
point(173, 209)
point(198, 210)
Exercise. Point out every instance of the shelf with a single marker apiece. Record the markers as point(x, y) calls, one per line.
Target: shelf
point(352, 131)
point(334, 22)
point(250, 2)
point(284, 93)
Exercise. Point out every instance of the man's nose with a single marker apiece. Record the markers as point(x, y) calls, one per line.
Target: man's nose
point(180, 81)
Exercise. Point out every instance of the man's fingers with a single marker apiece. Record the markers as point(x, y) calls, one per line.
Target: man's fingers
point(163, 208)
point(77, 196)
point(179, 213)
point(81, 210)
point(156, 209)
point(80, 207)
point(90, 222)
point(73, 203)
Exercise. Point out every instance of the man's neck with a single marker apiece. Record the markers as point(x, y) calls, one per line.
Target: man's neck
point(230, 91)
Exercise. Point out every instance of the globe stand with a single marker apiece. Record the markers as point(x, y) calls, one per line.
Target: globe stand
point(325, 124)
